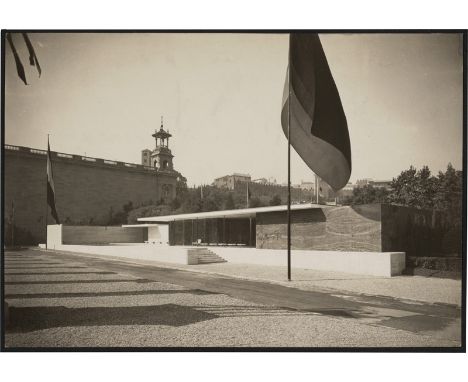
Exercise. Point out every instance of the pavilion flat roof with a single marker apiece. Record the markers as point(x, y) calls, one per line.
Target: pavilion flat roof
point(240, 213)
point(139, 225)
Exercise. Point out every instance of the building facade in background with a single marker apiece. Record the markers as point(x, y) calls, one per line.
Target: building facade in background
point(89, 191)
point(228, 181)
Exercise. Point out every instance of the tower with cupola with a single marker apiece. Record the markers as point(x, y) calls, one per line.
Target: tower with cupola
point(160, 160)
point(161, 156)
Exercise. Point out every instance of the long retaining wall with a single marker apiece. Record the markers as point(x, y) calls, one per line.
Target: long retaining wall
point(88, 190)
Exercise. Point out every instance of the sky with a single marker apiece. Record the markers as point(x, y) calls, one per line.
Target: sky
point(102, 95)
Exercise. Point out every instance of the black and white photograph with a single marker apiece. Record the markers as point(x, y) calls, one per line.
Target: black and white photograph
point(233, 190)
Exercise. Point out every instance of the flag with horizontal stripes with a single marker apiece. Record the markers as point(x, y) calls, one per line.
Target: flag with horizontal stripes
point(317, 123)
point(51, 186)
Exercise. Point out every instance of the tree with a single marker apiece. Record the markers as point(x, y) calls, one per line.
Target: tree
point(448, 193)
point(414, 188)
point(229, 203)
point(255, 202)
point(275, 200)
point(119, 218)
point(368, 194)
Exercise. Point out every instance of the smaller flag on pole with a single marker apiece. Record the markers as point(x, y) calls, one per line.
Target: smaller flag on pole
point(33, 61)
point(51, 186)
point(18, 63)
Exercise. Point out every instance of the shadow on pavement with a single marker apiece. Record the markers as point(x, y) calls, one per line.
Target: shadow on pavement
point(39, 318)
point(79, 281)
point(59, 273)
point(107, 294)
point(51, 267)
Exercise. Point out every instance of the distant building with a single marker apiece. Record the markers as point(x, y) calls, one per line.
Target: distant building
point(374, 183)
point(228, 181)
point(261, 181)
point(382, 184)
point(307, 186)
point(363, 182)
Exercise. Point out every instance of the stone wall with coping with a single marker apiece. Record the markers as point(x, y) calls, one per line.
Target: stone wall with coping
point(87, 189)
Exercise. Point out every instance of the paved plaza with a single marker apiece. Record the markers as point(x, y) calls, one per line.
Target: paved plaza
point(69, 300)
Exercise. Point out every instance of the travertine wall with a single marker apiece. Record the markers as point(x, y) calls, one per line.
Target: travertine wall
point(329, 228)
point(370, 227)
point(101, 235)
point(86, 191)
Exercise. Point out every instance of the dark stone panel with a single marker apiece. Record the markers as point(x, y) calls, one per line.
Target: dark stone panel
point(419, 232)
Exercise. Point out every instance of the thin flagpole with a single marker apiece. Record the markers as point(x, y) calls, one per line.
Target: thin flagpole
point(289, 160)
point(13, 223)
point(47, 180)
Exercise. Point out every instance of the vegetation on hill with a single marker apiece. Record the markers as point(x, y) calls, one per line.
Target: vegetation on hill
point(414, 188)
point(210, 198)
point(418, 188)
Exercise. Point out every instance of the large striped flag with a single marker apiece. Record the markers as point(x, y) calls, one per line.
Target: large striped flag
point(318, 127)
point(50, 186)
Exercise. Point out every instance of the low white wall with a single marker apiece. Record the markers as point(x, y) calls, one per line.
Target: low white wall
point(152, 252)
point(54, 236)
point(363, 263)
point(89, 235)
point(159, 234)
point(384, 264)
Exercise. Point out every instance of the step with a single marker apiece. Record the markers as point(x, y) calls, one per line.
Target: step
point(202, 256)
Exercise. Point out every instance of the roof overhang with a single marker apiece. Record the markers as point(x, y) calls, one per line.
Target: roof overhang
point(139, 225)
point(240, 213)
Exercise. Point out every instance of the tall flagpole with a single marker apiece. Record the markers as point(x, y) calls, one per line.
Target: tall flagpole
point(289, 160)
point(47, 180)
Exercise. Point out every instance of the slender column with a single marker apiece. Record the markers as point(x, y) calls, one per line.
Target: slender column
point(204, 231)
point(224, 230)
point(250, 232)
point(183, 232)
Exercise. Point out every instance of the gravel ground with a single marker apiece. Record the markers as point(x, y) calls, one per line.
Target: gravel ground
point(416, 288)
point(112, 310)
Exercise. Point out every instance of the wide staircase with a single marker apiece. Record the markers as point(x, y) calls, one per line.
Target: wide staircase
point(203, 256)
